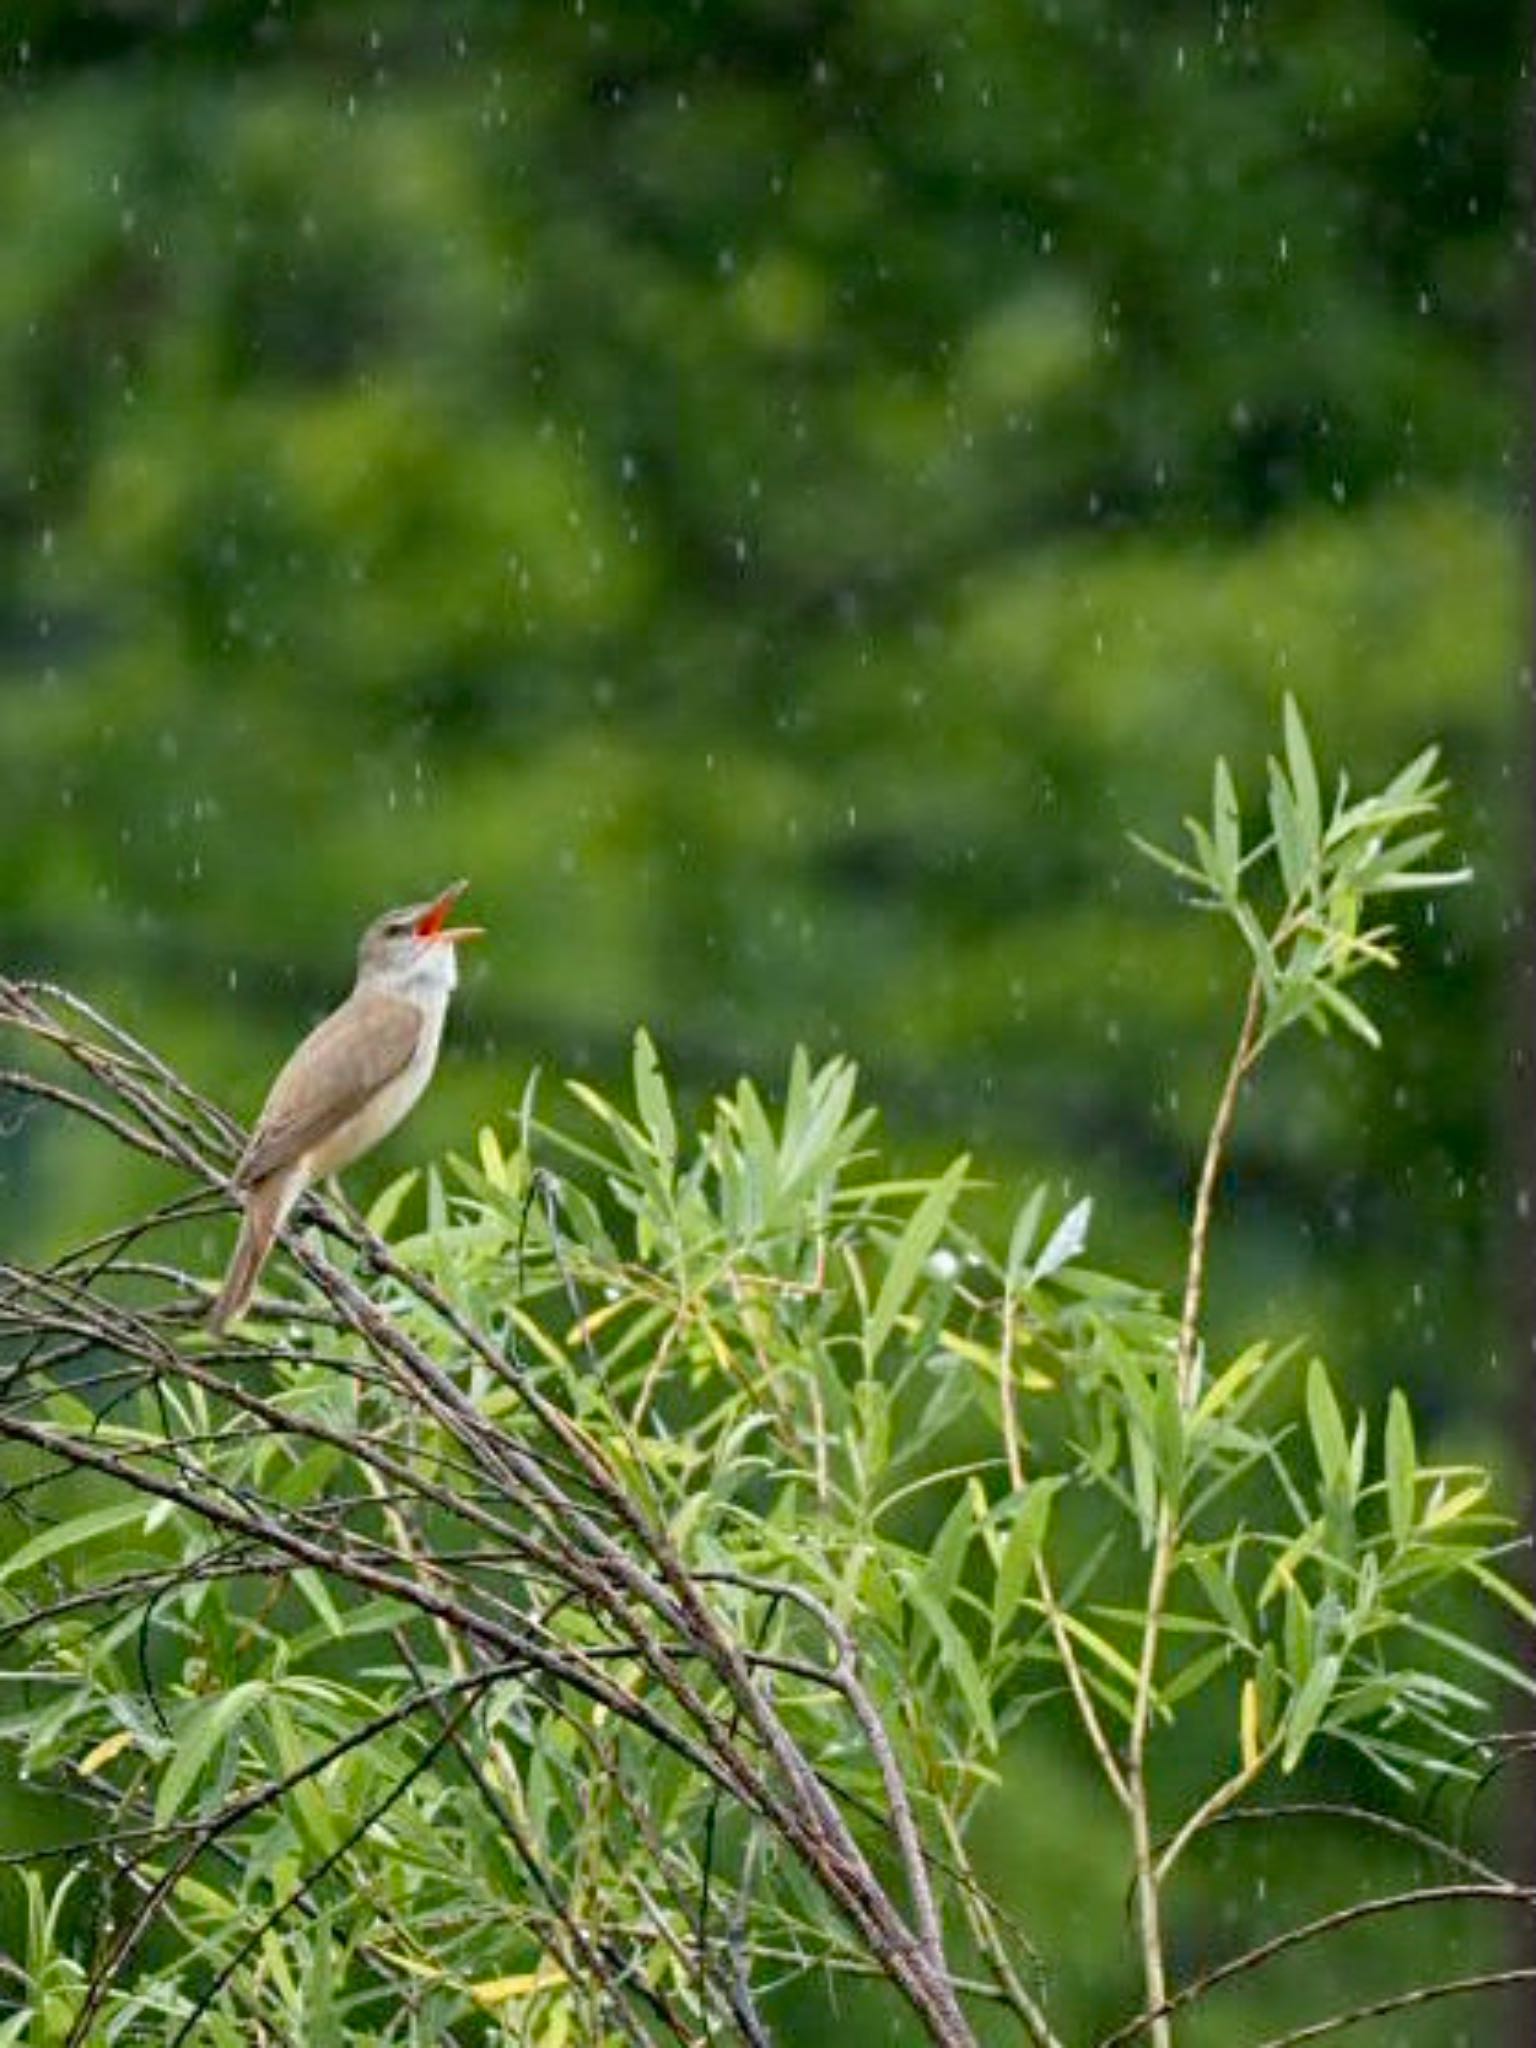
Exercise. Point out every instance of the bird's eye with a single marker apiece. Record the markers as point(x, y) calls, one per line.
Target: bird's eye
point(398, 927)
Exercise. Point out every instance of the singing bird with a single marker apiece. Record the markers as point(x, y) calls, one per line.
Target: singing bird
point(351, 1081)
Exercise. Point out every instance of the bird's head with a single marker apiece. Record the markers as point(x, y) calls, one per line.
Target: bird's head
point(416, 944)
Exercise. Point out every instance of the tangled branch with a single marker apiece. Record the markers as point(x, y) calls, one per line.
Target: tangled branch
point(542, 1558)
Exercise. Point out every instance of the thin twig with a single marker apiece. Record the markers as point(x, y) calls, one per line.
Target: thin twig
point(579, 1526)
point(1167, 1532)
point(1243, 1055)
point(1312, 1930)
point(1404, 2001)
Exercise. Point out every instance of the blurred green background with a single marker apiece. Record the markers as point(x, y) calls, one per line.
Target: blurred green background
point(774, 492)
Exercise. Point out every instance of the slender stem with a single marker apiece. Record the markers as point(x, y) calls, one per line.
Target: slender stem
point(1149, 1918)
point(1243, 1054)
point(1404, 2001)
point(1012, 1447)
point(983, 1924)
point(1061, 1635)
point(1209, 1808)
point(1166, 1539)
point(1309, 1931)
point(1082, 1698)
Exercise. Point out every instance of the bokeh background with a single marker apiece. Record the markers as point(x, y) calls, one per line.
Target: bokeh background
point(775, 491)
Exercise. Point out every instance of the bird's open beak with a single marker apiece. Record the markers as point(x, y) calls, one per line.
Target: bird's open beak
point(431, 924)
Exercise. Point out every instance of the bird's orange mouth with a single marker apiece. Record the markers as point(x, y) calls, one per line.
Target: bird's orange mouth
point(432, 922)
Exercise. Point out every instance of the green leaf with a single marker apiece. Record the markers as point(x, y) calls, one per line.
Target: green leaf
point(1348, 1012)
point(1297, 1631)
point(1065, 1243)
point(1473, 1653)
point(1421, 878)
point(1024, 1542)
point(872, 1406)
point(1330, 1441)
point(1216, 1581)
point(198, 1736)
point(1100, 1647)
point(70, 1535)
point(1308, 1708)
point(1259, 946)
point(1266, 1679)
point(1194, 1674)
point(1169, 1424)
point(302, 1481)
point(1144, 1481)
point(1210, 860)
point(946, 1557)
point(387, 1204)
point(1501, 1589)
point(1298, 755)
point(820, 1126)
point(1022, 1237)
point(1294, 863)
point(1401, 1466)
point(311, 1585)
point(1239, 1384)
point(1226, 829)
point(1368, 865)
point(951, 1394)
point(1164, 859)
point(1411, 782)
point(957, 1657)
point(316, 1817)
point(493, 1161)
point(653, 1101)
point(371, 1617)
point(924, 1228)
point(632, 1142)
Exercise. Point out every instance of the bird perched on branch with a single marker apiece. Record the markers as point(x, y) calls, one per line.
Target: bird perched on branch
point(352, 1080)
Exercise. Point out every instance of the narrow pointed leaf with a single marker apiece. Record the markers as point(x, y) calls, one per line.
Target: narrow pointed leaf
point(1402, 1465)
point(1303, 774)
point(924, 1228)
point(1066, 1241)
point(1308, 1709)
point(200, 1734)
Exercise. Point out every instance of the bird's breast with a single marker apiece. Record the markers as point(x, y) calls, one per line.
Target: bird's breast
point(387, 1107)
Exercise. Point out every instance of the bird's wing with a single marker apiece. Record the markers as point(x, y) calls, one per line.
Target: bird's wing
point(340, 1066)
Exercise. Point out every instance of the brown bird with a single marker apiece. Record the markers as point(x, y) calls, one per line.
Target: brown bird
point(351, 1081)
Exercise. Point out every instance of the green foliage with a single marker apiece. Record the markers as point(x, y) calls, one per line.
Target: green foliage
point(932, 1488)
point(1327, 867)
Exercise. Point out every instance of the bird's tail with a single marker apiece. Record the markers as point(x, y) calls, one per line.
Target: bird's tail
point(266, 1209)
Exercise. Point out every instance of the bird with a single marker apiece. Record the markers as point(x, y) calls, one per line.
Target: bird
point(350, 1082)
